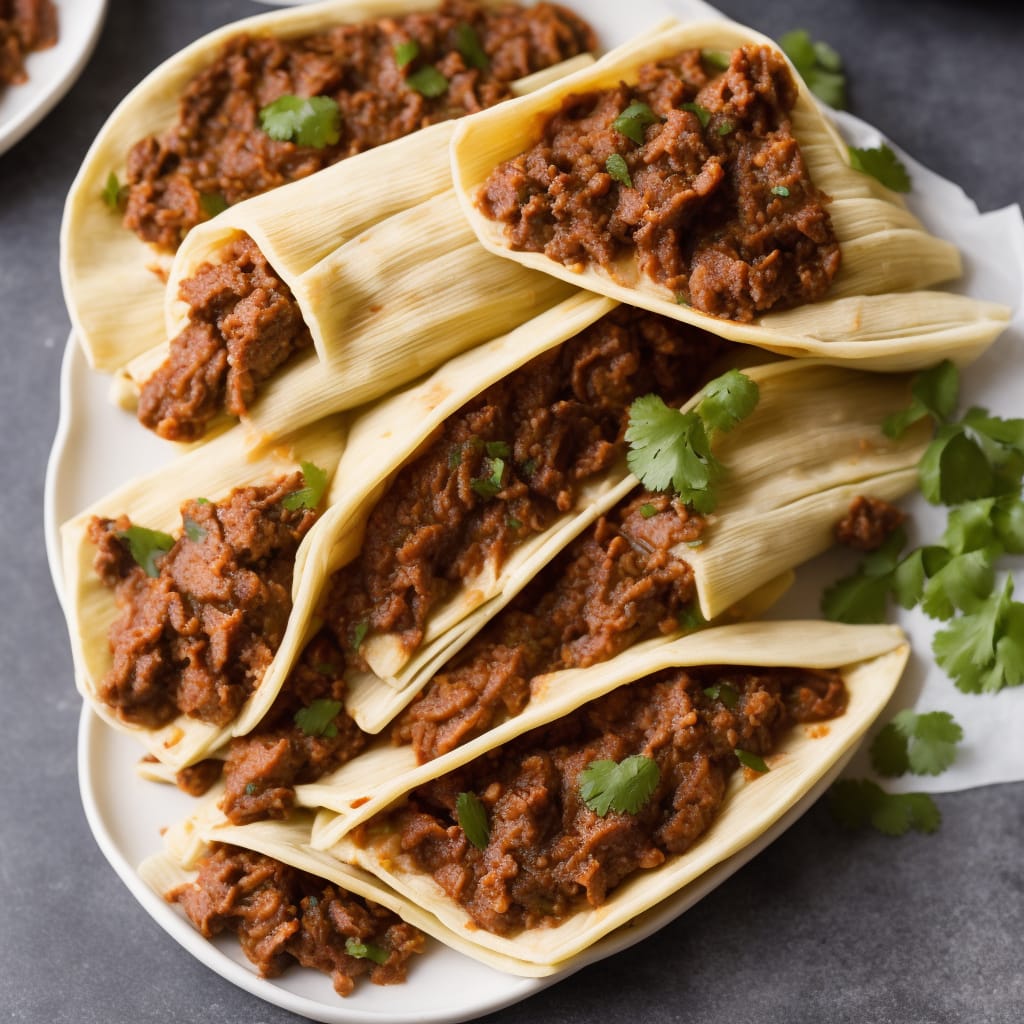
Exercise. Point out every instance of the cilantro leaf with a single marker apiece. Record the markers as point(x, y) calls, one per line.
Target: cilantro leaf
point(818, 65)
point(406, 53)
point(467, 42)
point(498, 449)
point(701, 113)
point(146, 546)
point(856, 803)
point(616, 167)
point(428, 81)
point(647, 510)
point(490, 485)
point(889, 752)
point(309, 496)
point(366, 951)
point(883, 164)
point(359, 631)
point(212, 203)
point(318, 718)
point(750, 760)
point(313, 121)
point(728, 399)
point(1008, 523)
point(725, 693)
point(924, 744)
point(472, 817)
point(114, 194)
point(193, 530)
point(961, 581)
point(861, 598)
point(780, 190)
point(633, 120)
point(625, 787)
point(718, 59)
point(934, 392)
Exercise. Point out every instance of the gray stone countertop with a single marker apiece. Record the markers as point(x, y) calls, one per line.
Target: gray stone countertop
point(822, 926)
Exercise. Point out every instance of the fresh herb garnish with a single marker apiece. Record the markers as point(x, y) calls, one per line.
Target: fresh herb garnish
point(881, 163)
point(309, 496)
point(856, 803)
point(616, 167)
point(251, 789)
point(202, 501)
point(489, 485)
point(193, 530)
point(498, 449)
point(669, 448)
point(702, 113)
point(325, 668)
point(406, 53)
point(212, 203)
point(725, 126)
point(862, 597)
point(727, 694)
point(529, 467)
point(751, 760)
point(934, 392)
point(314, 121)
point(428, 81)
point(365, 951)
point(114, 194)
point(318, 718)
point(690, 617)
point(472, 817)
point(513, 524)
point(633, 120)
point(781, 190)
point(625, 787)
point(818, 65)
point(467, 42)
point(923, 744)
point(455, 457)
point(718, 59)
point(647, 510)
point(147, 546)
point(359, 631)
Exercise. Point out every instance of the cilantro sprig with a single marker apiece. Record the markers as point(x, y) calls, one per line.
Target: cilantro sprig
point(307, 121)
point(818, 65)
point(366, 951)
point(467, 42)
point(428, 82)
point(318, 718)
point(923, 744)
point(882, 164)
point(147, 546)
point(472, 816)
point(624, 787)
point(309, 496)
point(856, 803)
point(633, 121)
point(672, 449)
point(618, 170)
point(114, 194)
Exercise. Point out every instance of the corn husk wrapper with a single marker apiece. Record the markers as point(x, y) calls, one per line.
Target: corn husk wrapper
point(877, 311)
point(153, 501)
point(812, 445)
point(289, 842)
point(871, 659)
point(114, 282)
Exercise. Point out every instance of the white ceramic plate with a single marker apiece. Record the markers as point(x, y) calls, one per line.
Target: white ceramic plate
point(51, 72)
point(126, 813)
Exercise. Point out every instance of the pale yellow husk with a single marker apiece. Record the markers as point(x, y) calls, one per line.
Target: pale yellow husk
point(288, 842)
point(812, 445)
point(153, 501)
point(877, 311)
point(113, 281)
point(871, 659)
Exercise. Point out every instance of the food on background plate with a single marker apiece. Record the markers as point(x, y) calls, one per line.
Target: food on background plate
point(25, 27)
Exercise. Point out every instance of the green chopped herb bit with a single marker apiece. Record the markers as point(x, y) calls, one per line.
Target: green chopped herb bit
point(725, 127)
point(202, 501)
point(529, 467)
point(513, 523)
point(212, 203)
point(934, 392)
point(818, 65)
point(624, 787)
point(857, 803)
point(682, 299)
point(690, 617)
point(647, 510)
point(428, 81)
point(472, 817)
point(924, 744)
point(490, 485)
point(251, 789)
point(366, 951)
point(498, 449)
point(633, 120)
point(727, 400)
point(114, 194)
point(727, 694)
point(146, 546)
point(718, 59)
point(467, 42)
point(318, 718)
point(406, 53)
point(617, 169)
point(455, 457)
point(698, 543)
point(781, 190)
point(750, 760)
point(883, 164)
point(314, 121)
point(359, 632)
point(193, 530)
point(861, 598)
point(702, 113)
point(309, 496)
point(325, 668)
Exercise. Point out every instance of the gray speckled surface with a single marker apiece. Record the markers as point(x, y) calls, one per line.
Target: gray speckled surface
point(821, 927)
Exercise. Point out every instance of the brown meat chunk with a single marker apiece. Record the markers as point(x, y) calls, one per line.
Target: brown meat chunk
point(281, 915)
point(548, 853)
point(720, 208)
point(868, 523)
point(244, 323)
point(217, 149)
point(25, 26)
point(197, 637)
point(616, 585)
point(506, 465)
point(197, 778)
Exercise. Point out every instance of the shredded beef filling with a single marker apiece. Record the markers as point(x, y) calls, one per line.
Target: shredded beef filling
point(616, 585)
point(547, 853)
point(217, 151)
point(282, 915)
point(197, 638)
point(723, 213)
point(25, 26)
point(244, 323)
point(868, 523)
point(506, 466)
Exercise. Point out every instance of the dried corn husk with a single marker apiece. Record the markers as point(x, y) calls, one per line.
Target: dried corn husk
point(871, 659)
point(877, 311)
point(212, 471)
point(114, 282)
